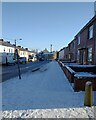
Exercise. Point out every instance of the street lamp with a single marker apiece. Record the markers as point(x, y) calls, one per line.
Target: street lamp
point(15, 46)
point(17, 56)
point(16, 40)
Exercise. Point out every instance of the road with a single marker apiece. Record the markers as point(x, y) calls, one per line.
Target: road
point(12, 70)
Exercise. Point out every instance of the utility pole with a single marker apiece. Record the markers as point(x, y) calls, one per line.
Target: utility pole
point(17, 56)
point(16, 52)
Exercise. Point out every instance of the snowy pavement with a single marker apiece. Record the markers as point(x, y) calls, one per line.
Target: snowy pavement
point(45, 93)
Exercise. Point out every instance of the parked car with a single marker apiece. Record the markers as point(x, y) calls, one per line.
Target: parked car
point(22, 60)
point(41, 59)
point(30, 59)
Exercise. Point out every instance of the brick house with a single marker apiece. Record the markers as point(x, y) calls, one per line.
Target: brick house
point(86, 43)
point(71, 50)
point(61, 54)
point(83, 48)
point(66, 53)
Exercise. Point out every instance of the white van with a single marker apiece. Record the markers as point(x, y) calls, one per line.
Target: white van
point(6, 58)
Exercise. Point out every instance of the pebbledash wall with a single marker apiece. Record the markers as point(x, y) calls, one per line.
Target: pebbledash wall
point(83, 48)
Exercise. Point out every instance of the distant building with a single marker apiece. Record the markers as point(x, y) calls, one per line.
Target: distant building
point(66, 54)
point(7, 51)
point(45, 50)
point(61, 54)
point(71, 49)
point(43, 55)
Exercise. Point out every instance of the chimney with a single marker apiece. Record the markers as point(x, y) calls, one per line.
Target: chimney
point(26, 48)
point(14, 45)
point(8, 41)
point(1, 40)
point(19, 46)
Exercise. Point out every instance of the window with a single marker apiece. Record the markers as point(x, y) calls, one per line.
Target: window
point(79, 40)
point(9, 50)
point(90, 32)
point(69, 56)
point(21, 53)
point(90, 54)
point(78, 55)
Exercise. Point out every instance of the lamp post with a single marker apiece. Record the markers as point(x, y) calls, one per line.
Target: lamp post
point(15, 46)
point(17, 56)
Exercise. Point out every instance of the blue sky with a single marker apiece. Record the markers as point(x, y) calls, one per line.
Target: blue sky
point(42, 24)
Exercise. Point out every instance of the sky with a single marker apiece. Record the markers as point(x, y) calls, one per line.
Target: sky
point(41, 24)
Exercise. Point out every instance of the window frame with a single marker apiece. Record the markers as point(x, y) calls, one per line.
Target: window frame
point(79, 39)
point(90, 54)
point(78, 54)
point(90, 32)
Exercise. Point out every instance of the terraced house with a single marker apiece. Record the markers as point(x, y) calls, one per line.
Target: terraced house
point(61, 54)
point(71, 51)
point(7, 52)
point(86, 43)
point(83, 48)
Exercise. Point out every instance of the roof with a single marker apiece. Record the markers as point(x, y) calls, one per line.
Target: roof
point(6, 43)
point(88, 24)
point(45, 50)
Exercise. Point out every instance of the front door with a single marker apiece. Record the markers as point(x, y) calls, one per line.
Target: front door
point(83, 56)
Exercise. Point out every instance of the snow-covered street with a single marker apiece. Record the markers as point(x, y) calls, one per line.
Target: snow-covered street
point(44, 93)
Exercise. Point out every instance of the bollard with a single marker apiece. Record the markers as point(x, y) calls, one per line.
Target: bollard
point(88, 94)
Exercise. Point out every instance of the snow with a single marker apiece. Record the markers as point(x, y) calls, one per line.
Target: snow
point(84, 74)
point(70, 64)
point(71, 70)
point(45, 93)
point(83, 66)
point(51, 113)
point(76, 65)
